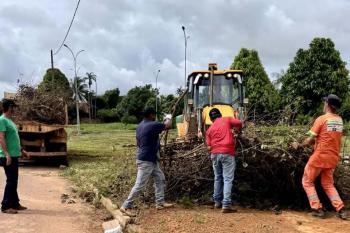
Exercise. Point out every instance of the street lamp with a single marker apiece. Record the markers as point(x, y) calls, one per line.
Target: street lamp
point(95, 97)
point(186, 38)
point(157, 94)
point(76, 84)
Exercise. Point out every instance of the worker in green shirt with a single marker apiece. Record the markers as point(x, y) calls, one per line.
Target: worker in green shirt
point(10, 151)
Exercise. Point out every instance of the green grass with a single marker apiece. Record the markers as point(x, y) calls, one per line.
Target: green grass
point(103, 127)
point(102, 157)
point(88, 128)
point(99, 156)
point(101, 143)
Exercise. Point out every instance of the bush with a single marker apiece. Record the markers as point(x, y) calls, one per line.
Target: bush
point(344, 111)
point(127, 119)
point(303, 119)
point(108, 115)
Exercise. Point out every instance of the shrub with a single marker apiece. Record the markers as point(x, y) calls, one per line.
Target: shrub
point(108, 115)
point(127, 119)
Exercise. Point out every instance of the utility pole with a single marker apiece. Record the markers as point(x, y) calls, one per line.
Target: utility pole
point(185, 86)
point(96, 98)
point(157, 95)
point(52, 71)
point(51, 59)
point(186, 38)
point(76, 84)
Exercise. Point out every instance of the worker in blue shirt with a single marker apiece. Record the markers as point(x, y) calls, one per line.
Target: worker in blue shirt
point(147, 136)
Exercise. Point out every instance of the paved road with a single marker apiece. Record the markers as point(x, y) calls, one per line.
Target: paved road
point(40, 189)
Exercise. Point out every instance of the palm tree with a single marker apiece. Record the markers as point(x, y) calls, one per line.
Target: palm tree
point(90, 77)
point(82, 88)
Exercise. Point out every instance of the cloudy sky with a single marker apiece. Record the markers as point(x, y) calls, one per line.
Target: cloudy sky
point(127, 41)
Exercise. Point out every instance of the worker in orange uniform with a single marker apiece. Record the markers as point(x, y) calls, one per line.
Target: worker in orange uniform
point(326, 135)
point(221, 144)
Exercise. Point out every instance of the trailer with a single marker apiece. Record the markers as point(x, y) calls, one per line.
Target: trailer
point(41, 140)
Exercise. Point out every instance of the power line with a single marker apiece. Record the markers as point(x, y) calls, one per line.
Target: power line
point(71, 23)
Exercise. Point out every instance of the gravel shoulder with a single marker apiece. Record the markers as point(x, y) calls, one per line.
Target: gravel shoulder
point(206, 220)
point(41, 189)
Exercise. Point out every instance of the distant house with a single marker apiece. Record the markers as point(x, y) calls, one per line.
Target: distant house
point(8, 95)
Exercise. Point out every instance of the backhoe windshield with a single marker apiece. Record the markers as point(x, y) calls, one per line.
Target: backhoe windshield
point(225, 91)
point(202, 95)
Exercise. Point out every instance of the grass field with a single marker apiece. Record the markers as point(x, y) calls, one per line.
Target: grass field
point(99, 155)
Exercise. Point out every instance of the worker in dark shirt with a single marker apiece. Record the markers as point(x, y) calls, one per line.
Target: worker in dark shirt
point(147, 136)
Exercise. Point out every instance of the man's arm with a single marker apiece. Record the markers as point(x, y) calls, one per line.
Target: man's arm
point(307, 142)
point(312, 134)
point(25, 153)
point(167, 123)
point(235, 123)
point(160, 127)
point(208, 140)
point(3, 143)
point(4, 148)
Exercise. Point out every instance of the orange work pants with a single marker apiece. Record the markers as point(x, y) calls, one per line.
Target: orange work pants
point(327, 182)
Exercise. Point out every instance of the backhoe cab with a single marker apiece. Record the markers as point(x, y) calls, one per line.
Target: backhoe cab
point(207, 89)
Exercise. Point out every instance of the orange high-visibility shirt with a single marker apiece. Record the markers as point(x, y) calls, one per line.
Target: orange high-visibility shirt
point(328, 131)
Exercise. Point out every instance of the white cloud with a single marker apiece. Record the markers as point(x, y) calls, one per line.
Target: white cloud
point(277, 15)
point(126, 42)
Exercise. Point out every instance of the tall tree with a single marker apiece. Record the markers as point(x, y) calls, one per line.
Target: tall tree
point(112, 97)
point(55, 80)
point(263, 97)
point(314, 73)
point(90, 77)
point(136, 100)
point(81, 89)
point(167, 103)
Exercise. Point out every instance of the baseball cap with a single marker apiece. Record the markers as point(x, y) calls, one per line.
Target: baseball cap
point(214, 113)
point(333, 100)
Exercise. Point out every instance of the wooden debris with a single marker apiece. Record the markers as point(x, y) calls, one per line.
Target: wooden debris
point(46, 107)
point(268, 172)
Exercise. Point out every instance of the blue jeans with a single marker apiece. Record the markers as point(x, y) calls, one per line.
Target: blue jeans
point(146, 170)
point(224, 166)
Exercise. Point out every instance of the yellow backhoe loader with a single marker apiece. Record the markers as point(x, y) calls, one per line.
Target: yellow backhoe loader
point(207, 89)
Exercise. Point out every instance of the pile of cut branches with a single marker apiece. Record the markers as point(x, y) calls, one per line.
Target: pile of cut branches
point(41, 106)
point(268, 172)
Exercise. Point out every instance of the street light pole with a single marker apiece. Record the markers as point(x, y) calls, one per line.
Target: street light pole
point(76, 84)
point(186, 38)
point(157, 94)
point(95, 97)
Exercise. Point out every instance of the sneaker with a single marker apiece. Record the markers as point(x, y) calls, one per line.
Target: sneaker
point(164, 206)
point(20, 207)
point(342, 214)
point(319, 213)
point(128, 212)
point(10, 211)
point(226, 210)
point(217, 205)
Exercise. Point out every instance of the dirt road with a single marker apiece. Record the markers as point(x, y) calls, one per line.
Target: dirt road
point(40, 189)
point(206, 220)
